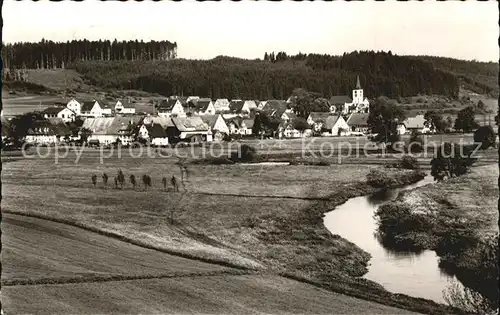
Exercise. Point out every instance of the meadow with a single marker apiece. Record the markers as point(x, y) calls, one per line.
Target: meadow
point(266, 218)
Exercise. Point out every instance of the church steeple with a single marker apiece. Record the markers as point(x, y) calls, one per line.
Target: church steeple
point(358, 85)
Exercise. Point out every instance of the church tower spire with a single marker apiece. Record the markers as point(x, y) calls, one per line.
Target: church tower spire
point(358, 85)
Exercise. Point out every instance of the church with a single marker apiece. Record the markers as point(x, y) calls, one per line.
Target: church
point(357, 104)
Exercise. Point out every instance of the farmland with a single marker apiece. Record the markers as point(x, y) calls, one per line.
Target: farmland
point(261, 218)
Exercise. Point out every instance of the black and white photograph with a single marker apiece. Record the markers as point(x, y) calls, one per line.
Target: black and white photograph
point(249, 157)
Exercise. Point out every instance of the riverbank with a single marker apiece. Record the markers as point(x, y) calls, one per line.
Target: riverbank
point(267, 218)
point(457, 218)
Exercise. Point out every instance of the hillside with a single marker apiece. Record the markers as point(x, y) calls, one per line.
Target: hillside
point(479, 77)
point(380, 74)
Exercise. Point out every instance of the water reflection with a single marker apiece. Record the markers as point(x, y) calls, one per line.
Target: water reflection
point(415, 273)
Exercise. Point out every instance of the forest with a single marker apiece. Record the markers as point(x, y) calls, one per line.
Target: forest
point(380, 73)
point(49, 55)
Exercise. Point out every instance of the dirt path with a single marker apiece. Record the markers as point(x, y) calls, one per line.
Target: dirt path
point(53, 268)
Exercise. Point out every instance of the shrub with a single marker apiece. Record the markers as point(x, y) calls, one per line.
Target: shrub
point(486, 136)
point(245, 153)
point(378, 179)
point(450, 162)
point(409, 162)
point(415, 143)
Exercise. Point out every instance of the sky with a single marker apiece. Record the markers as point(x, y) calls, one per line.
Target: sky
point(465, 30)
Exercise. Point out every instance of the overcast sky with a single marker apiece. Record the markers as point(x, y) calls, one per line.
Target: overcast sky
point(465, 30)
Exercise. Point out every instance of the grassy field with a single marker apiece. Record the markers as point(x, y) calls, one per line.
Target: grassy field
point(260, 217)
point(63, 253)
point(188, 295)
point(51, 275)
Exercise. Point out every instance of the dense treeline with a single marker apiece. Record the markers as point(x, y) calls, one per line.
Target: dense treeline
point(48, 54)
point(480, 77)
point(380, 74)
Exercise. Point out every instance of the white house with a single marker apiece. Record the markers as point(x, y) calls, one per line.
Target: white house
point(124, 108)
point(74, 106)
point(240, 126)
point(417, 124)
point(221, 105)
point(41, 133)
point(204, 106)
point(217, 125)
point(64, 113)
point(153, 133)
point(336, 125)
point(170, 108)
point(91, 109)
point(288, 131)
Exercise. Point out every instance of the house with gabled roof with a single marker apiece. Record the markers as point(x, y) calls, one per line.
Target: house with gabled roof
point(64, 113)
point(192, 99)
point(154, 133)
point(240, 126)
point(221, 105)
point(236, 108)
point(95, 109)
point(74, 106)
point(170, 108)
point(124, 107)
point(250, 104)
point(317, 117)
point(336, 125)
point(358, 122)
point(42, 132)
point(190, 129)
point(204, 106)
point(287, 130)
point(106, 130)
point(217, 125)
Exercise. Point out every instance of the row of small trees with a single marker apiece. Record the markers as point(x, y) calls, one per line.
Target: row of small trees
point(119, 181)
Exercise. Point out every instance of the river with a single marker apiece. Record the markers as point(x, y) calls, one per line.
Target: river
point(410, 273)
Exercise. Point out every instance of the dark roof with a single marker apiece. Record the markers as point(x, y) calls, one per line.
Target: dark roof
point(42, 127)
point(87, 106)
point(358, 119)
point(275, 107)
point(331, 121)
point(167, 104)
point(235, 120)
point(53, 110)
point(340, 99)
point(127, 104)
point(236, 106)
point(103, 103)
point(202, 104)
point(155, 131)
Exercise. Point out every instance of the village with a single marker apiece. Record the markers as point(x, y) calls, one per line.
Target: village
point(197, 119)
